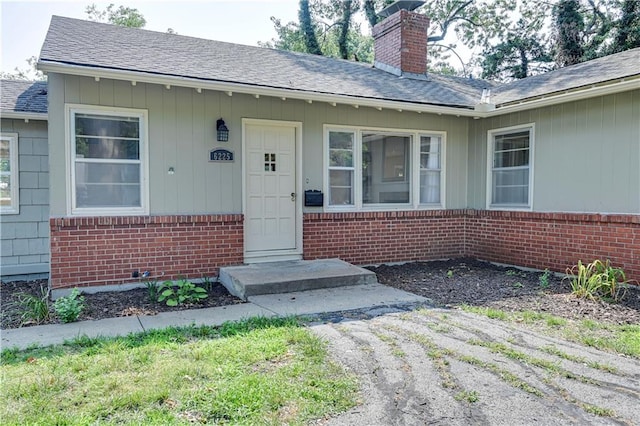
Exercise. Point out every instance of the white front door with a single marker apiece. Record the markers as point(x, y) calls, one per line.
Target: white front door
point(270, 191)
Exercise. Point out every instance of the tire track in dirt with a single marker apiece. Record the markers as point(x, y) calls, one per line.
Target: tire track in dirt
point(452, 367)
point(582, 374)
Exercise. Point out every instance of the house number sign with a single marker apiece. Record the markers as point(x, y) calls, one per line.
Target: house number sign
point(221, 155)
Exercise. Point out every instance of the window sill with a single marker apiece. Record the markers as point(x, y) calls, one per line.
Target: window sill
point(108, 212)
point(507, 207)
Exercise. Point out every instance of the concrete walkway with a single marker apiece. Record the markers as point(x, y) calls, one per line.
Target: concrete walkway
point(369, 296)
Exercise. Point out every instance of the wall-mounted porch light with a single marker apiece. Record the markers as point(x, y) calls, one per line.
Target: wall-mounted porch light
point(223, 131)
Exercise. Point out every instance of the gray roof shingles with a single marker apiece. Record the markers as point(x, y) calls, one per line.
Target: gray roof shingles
point(84, 43)
point(607, 68)
point(23, 96)
point(77, 42)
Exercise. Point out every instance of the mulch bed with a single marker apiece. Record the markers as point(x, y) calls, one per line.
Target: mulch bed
point(107, 304)
point(477, 283)
point(448, 283)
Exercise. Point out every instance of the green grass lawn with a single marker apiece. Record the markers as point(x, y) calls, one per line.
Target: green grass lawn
point(259, 371)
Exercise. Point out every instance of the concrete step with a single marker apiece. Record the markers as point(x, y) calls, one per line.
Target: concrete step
point(290, 276)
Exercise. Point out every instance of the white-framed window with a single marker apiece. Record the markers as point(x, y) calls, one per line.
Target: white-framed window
point(108, 153)
point(9, 174)
point(430, 169)
point(510, 165)
point(383, 169)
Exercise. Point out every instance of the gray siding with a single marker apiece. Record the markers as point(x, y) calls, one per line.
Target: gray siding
point(587, 155)
point(25, 236)
point(182, 131)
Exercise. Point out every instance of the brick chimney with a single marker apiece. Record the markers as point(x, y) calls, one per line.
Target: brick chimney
point(400, 44)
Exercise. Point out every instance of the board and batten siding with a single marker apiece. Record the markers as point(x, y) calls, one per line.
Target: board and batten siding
point(24, 237)
point(587, 155)
point(182, 132)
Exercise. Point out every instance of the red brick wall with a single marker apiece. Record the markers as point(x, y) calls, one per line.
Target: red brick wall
point(554, 240)
point(536, 240)
point(106, 250)
point(379, 237)
point(401, 41)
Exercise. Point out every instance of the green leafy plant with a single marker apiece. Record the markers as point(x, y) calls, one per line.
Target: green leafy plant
point(611, 280)
point(596, 280)
point(207, 282)
point(517, 284)
point(69, 308)
point(182, 292)
point(543, 280)
point(34, 308)
point(450, 273)
point(469, 396)
point(153, 290)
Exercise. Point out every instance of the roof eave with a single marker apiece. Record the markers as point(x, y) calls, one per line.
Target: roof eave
point(225, 86)
point(23, 115)
point(575, 94)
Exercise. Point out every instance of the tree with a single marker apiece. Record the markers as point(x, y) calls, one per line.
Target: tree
point(520, 55)
point(122, 16)
point(507, 38)
point(31, 73)
point(569, 29)
point(627, 28)
point(308, 30)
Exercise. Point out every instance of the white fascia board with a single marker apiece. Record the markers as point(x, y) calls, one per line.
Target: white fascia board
point(623, 85)
point(23, 115)
point(144, 77)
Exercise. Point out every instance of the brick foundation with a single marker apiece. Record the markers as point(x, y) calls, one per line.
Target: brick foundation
point(380, 237)
point(554, 240)
point(536, 240)
point(106, 250)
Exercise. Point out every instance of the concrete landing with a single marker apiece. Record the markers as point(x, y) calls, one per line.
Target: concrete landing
point(291, 276)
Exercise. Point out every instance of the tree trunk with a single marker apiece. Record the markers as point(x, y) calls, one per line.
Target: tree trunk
point(306, 25)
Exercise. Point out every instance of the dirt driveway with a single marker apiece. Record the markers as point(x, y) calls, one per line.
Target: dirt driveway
point(449, 367)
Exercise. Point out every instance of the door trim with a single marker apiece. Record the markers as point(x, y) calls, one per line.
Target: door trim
point(275, 255)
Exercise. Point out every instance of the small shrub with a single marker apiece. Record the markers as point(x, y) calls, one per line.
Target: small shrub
point(596, 280)
point(70, 307)
point(153, 290)
point(450, 273)
point(543, 280)
point(34, 308)
point(207, 282)
point(182, 292)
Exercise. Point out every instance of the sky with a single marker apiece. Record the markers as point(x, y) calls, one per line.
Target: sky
point(24, 24)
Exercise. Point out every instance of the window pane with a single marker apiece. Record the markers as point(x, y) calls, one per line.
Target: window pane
point(341, 149)
point(107, 185)
point(511, 158)
point(98, 125)
point(107, 148)
point(510, 141)
point(429, 152)
point(341, 140)
point(340, 158)
point(511, 187)
point(340, 187)
point(5, 190)
point(385, 169)
point(5, 155)
point(429, 187)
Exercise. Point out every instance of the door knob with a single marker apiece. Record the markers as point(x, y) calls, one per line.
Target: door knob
point(293, 196)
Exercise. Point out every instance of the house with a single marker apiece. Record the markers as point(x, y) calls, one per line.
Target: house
point(177, 155)
point(24, 180)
